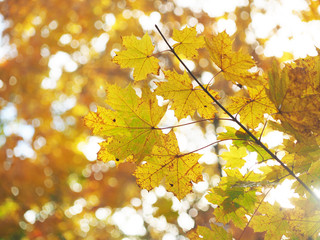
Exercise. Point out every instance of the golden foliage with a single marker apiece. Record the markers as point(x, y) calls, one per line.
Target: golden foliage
point(56, 71)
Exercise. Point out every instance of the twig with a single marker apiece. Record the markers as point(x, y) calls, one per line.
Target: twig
point(189, 123)
point(238, 122)
point(255, 211)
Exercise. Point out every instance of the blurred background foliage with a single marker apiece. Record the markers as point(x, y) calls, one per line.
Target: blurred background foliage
point(55, 59)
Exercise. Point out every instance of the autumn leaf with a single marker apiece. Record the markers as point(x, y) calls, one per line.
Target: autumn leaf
point(271, 220)
point(234, 157)
point(297, 96)
point(163, 207)
point(168, 164)
point(188, 42)
point(234, 65)
point(278, 85)
point(232, 199)
point(216, 232)
point(129, 125)
point(138, 56)
point(252, 109)
point(300, 156)
point(242, 139)
point(185, 99)
point(310, 177)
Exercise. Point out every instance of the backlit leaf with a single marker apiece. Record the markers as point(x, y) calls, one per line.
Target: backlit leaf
point(138, 56)
point(242, 139)
point(234, 157)
point(297, 96)
point(252, 109)
point(271, 220)
point(188, 42)
point(278, 84)
point(186, 99)
point(215, 232)
point(168, 164)
point(235, 65)
point(232, 199)
point(129, 125)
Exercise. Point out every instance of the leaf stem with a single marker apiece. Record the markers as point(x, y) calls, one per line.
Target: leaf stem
point(189, 123)
point(238, 122)
point(213, 78)
point(210, 144)
point(255, 211)
point(157, 53)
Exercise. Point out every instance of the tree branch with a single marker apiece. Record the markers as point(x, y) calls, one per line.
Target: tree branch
point(238, 122)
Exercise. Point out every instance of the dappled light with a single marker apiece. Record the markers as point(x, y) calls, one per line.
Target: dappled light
point(105, 135)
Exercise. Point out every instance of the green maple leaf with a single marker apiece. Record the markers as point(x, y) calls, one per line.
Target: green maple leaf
point(233, 199)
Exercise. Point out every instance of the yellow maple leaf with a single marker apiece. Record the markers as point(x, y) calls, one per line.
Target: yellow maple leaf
point(185, 98)
point(234, 157)
point(295, 91)
point(234, 65)
point(272, 220)
point(216, 232)
point(130, 127)
point(252, 109)
point(188, 42)
point(138, 56)
point(278, 84)
point(167, 163)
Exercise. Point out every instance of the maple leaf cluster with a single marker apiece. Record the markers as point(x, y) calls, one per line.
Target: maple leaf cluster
point(56, 67)
point(132, 132)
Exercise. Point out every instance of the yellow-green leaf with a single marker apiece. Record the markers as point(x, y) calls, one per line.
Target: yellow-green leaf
point(215, 232)
point(233, 199)
point(278, 84)
point(271, 220)
point(129, 126)
point(138, 56)
point(188, 42)
point(242, 139)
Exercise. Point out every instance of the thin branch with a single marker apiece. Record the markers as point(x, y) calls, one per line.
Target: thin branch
point(213, 78)
point(255, 211)
point(157, 53)
point(189, 123)
point(238, 122)
point(213, 143)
